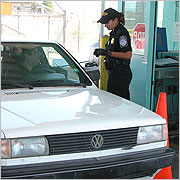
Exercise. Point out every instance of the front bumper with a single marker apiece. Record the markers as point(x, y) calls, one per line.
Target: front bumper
point(130, 165)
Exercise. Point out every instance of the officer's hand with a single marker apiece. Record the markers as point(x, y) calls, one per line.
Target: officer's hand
point(100, 51)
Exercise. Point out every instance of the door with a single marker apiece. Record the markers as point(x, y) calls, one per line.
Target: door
point(141, 17)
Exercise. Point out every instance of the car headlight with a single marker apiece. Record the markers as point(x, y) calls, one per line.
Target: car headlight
point(150, 134)
point(24, 147)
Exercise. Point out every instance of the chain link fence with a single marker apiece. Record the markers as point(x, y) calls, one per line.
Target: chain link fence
point(47, 27)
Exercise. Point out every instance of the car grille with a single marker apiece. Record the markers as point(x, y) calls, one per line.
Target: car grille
point(81, 142)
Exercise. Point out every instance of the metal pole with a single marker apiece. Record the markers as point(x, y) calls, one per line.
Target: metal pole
point(64, 28)
point(18, 24)
point(102, 69)
point(64, 23)
point(48, 27)
point(123, 6)
point(102, 26)
point(149, 53)
point(78, 34)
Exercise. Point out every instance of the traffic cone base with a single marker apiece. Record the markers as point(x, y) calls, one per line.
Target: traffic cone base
point(164, 173)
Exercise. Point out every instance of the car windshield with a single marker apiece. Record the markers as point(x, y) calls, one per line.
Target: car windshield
point(39, 65)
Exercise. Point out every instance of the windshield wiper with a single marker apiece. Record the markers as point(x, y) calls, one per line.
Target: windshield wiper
point(56, 82)
point(46, 82)
point(17, 85)
point(77, 84)
point(80, 84)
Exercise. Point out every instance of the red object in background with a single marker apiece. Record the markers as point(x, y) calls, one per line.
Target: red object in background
point(161, 109)
point(139, 36)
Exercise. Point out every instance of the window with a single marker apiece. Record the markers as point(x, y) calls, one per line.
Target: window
point(135, 16)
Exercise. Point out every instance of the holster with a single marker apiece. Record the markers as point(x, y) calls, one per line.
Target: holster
point(108, 63)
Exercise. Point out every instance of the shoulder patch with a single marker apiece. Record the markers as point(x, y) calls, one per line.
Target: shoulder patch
point(123, 41)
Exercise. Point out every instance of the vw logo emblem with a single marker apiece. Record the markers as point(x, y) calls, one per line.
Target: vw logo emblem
point(97, 141)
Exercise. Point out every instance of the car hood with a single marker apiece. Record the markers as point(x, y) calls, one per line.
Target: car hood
point(57, 111)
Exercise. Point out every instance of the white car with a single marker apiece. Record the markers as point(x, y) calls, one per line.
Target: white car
point(57, 124)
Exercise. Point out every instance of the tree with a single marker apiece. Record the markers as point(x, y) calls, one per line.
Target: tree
point(49, 4)
point(34, 6)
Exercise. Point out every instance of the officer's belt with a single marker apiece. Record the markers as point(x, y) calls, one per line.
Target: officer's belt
point(121, 62)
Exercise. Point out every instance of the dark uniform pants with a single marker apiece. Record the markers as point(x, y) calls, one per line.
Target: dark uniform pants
point(118, 82)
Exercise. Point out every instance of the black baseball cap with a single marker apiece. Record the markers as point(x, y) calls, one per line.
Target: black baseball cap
point(107, 15)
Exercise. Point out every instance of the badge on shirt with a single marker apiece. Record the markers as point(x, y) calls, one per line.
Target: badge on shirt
point(123, 41)
point(112, 41)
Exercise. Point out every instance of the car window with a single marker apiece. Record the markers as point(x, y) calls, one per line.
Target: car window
point(39, 65)
point(56, 60)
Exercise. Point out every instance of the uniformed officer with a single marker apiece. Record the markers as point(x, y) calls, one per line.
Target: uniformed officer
point(118, 53)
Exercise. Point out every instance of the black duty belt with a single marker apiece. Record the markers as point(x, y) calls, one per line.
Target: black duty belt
point(121, 62)
point(116, 63)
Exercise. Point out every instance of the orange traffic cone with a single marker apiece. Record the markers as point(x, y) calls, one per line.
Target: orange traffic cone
point(161, 109)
